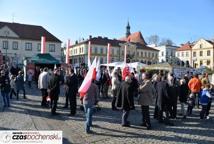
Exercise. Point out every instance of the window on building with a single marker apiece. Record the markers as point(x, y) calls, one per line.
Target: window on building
point(118, 52)
point(208, 53)
point(194, 54)
point(208, 62)
point(51, 47)
point(201, 63)
point(142, 54)
point(5, 44)
point(152, 54)
point(39, 47)
point(187, 54)
point(95, 50)
point(15, 45)
point(122, 52)
point(166, 53)
point(101, 60)
point(182, 54)
point(137, 53)
point(149, 54)
point(162, 53)
point(200, 46)
point(145, 54)
point(28, 46)
point(112, 52)
point(101, 50)
point(201, 53)
point(156, 55)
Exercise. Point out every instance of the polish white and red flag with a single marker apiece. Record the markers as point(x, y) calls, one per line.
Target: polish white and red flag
point(91, 75)
point(89, 54)
point(43, 44)
point(67, 52)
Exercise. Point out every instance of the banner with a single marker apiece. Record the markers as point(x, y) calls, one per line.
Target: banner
point(89, 54)
point(67, 52)
point(30, 137)
point(43, 45)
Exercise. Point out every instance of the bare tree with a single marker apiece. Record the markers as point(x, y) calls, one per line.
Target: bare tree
point(167, 41)
point(153, 39)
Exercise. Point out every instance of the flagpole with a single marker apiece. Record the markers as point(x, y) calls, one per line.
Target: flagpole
point(108, 55)
point(125, 53)
point(89, 54)
point(67, 52)
point(43, 44)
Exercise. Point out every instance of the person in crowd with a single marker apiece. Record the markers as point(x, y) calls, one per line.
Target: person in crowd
point(183, 94)
point(5, 88)
point(20, 84)
point(163, 101)
point(204, 100)
point(71, 83)
point(29, 79)
point(54, 90)
point(115, 86)
point(195, 87)
point(125, 100)
point(210, 99)
point(204, 79)
point(155, 80)
point(136, 75)
point(173, 94)
point(12, 86)
point(146, 98)
point(66, 87)
point(43, 86)
point(134, 85)
point(89, 101)
point(105, 81)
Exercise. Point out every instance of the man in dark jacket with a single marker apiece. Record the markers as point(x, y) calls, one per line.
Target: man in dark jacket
point(125, 100)
point(72, 84)
point(54, 90)
point(5, 88)
point(163, 102)
point(20, 84)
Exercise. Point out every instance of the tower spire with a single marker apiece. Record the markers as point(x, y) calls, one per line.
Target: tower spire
point(128, 29)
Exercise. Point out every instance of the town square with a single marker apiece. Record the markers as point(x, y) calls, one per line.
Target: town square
point(116, 72)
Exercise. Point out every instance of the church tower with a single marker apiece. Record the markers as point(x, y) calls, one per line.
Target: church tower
point(128, 30)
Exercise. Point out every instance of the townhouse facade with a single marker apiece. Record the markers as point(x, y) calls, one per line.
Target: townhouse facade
point(197, 54)
point(23, 41)
point(137, 50)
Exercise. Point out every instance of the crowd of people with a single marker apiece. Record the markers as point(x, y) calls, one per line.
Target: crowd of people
point(162, 90)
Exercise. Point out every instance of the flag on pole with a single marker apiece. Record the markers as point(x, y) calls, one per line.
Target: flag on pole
point(89, 54)
point(43, 44)
point(98, 72)
point(125, 72)
point(91, 74)
point(67, 52)
point(108, 53)
point(125, 53)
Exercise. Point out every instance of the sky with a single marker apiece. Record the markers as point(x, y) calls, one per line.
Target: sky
point(178, 20)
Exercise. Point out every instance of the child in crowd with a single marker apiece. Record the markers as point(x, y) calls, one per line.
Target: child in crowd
point(29, 79)
point(191, 103)
point(204, 100)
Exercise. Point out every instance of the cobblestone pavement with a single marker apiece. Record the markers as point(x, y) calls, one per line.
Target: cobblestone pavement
point(28, 115)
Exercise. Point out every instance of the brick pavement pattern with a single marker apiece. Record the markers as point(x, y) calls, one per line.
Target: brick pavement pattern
point(28, 115)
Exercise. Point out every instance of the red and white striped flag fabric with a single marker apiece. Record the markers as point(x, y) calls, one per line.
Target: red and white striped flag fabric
point(125, 53)
point(91, 74)
point(67, 52)
point(89, 54)
point(43, 44)
point(108, 53)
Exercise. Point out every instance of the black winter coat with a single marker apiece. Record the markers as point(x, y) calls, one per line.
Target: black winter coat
point(183, 92)
point(54, 87)
point(162, 95)
point(125, 99)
